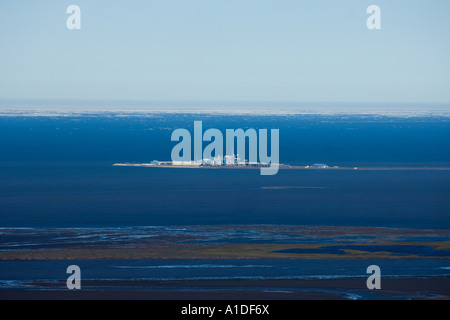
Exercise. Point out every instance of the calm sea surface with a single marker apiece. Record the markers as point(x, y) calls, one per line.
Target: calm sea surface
point(56, 172)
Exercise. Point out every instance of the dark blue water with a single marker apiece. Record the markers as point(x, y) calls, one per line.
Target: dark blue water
point(336, 140)
point(57, 172)
point(217, 269)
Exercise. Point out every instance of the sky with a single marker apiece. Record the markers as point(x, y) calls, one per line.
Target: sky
point(234, 50)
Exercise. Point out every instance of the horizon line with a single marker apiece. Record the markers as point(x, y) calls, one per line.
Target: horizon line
point(67, 107)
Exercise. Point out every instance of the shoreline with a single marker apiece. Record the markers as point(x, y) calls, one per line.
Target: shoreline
point(201, 242)
point(241, 251)
point(302, 249)
point(287, 167)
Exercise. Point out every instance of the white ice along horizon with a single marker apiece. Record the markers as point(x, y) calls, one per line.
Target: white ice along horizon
point(268, 164)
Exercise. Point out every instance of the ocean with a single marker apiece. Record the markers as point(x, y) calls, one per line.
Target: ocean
point(57, 174)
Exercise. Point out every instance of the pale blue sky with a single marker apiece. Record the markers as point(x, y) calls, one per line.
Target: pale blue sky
point(234, 50)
